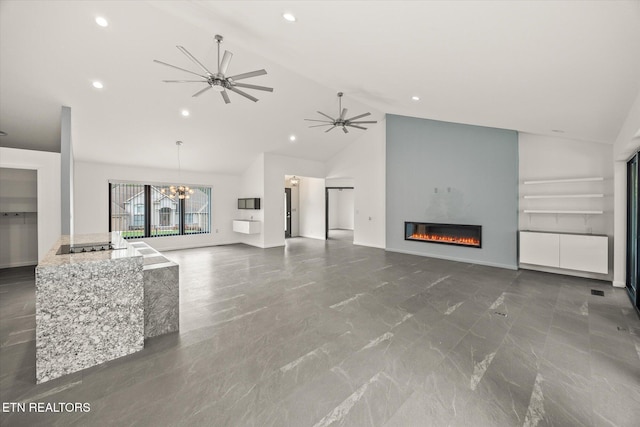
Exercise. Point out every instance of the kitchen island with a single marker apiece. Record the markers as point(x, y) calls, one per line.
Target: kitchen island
point(89, 304)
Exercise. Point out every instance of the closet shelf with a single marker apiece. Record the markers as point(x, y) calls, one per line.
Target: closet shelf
point(564, 196)
point(563, 212)
point(554, 181)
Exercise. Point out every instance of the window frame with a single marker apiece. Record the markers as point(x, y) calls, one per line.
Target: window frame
point(148, 206)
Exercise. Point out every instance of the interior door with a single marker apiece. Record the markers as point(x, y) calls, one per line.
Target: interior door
point(287, 212)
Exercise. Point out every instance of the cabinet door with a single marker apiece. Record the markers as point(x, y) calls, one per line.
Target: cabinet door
point(584, 253)
point(540, 249)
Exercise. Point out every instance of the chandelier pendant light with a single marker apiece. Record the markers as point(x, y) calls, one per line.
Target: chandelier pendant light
point(218, 81)
point(179, 191)
point(341, 121)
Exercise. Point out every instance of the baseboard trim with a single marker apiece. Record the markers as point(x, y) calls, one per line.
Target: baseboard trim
point(619, 284)
point(467, 261)
point(19, 264)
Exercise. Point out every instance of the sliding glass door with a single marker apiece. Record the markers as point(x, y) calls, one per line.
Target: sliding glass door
point(632, 230)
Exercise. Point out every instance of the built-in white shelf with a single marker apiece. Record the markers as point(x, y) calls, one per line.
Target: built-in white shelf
point(528, 211)
point(555, 181)
point(564, 196)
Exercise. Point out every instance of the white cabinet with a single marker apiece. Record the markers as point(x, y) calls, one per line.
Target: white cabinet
point(540, 249)
point(246, 226)
point(579, 252)
point(584, 253)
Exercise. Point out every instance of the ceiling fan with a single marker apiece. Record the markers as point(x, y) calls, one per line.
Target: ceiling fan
point(218, 81)
point(341, 121)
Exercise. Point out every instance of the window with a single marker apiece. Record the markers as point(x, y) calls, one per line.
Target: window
point(143, 210)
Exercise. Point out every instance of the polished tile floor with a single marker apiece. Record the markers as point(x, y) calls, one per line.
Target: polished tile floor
point(326, 333)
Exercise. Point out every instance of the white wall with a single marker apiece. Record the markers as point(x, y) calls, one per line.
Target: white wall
point(312, 209)
point(91, 192)
point(625, 145)
point(363, 163)
point(341, 209)
point(252, 185)
point(47, 166)
point(18, 217)
point(544, 157)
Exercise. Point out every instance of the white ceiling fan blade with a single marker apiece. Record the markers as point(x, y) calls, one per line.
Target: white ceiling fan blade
point(200, 92)
point(328, 117)
point(344, 113)
point(178, 68)
point(248, 86)
point(345, 129)
point(185, 81)
point(354, 126)
point(246, 95)
point(193, 58)
point(247, 75)
point(370, 121)
point(358, 117)
point(225, 96)
point(331, 128)
point(317, 126)
point(323, 121)
point(226, 59)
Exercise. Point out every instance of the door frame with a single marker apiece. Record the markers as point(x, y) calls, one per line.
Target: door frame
point(326, 207)
point(634, 294)
point(287, 214)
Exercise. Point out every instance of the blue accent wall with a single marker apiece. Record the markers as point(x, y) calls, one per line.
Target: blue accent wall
point(455, 174)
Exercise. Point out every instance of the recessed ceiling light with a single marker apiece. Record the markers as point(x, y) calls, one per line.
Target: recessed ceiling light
point(185, 113)
point(98, 85)
point(289, 17)
point(102, 21)
point(415, 98)
point(292, 138)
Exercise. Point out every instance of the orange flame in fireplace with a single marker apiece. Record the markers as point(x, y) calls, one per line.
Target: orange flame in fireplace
point(469, 241)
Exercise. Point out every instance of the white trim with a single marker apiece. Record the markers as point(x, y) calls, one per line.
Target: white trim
point(368, 245)
point(619, 284)
point(468, 261)
point(19, 264)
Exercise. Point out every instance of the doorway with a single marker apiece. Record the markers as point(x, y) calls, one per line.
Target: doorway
point(287, 213)
point(633, 228)
point(339, 213)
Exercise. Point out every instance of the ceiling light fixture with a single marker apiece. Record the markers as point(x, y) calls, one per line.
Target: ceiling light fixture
point(294, 181)
point(289, 17)
point(341, 121)
point(180, 191)
point(415, 98)
point(102, 21)
point(218, 81)
point(185, 113)
point(3, 133)
point(557, 130)
point(292, 138)
point(97, 85)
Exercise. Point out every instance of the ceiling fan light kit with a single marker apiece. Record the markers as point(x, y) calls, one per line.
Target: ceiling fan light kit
point(341, 121)
point(218, 81)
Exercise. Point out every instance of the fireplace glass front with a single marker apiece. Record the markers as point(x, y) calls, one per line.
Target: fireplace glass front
point(449, 234)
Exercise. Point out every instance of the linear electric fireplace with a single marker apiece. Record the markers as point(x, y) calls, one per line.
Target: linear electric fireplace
point(448, 234)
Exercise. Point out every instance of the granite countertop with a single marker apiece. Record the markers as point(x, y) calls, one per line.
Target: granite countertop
point(122, 249)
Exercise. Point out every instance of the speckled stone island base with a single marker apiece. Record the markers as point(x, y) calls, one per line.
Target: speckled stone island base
point(89, 307)
point(161, 292)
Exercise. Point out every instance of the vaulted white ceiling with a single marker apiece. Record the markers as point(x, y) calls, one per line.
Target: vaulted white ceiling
point(530, 66)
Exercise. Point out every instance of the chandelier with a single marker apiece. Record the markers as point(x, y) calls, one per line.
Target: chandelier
point(180, 191)
point(294, 180)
